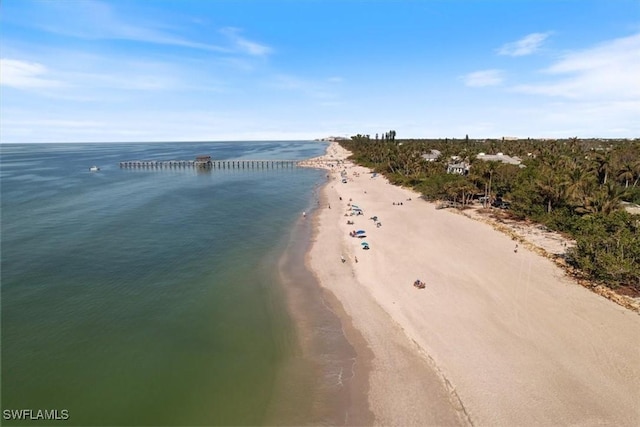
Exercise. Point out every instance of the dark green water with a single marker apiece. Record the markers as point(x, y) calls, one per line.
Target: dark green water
point(146, 297)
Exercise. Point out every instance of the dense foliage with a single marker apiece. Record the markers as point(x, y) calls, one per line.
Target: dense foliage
point(574, 186)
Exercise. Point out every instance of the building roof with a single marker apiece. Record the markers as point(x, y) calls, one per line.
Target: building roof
point(433, 155)
point(500, 158)
point(458, 165)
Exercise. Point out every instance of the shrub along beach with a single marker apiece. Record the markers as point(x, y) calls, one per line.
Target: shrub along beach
point(498, 335)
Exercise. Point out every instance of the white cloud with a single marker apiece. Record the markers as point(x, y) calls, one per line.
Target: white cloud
point(609, 70)
point(244, 45)
point(25, 75)
point(85, 76)
point(525, 46)
point(484, 78)
point(96, 20)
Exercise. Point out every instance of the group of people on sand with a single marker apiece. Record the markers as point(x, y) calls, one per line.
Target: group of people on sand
point(419, 284)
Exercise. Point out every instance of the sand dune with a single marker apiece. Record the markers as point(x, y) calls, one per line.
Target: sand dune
point(495, 338)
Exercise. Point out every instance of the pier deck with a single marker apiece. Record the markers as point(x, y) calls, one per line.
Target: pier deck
point(219, 164)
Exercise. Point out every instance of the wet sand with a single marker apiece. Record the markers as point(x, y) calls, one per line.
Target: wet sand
point(497, 337)
point(325, 381)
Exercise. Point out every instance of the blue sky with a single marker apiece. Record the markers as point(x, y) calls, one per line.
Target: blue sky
point(97, 70)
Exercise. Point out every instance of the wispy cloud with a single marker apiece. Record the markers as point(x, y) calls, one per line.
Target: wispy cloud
point(609, 70)
point(525, 46)
point(84, 77)
point(25, 75)
point(484, 78)
point(245, 45)
point(96, 20)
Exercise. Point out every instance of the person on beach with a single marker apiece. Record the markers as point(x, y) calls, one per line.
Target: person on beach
point(356, 258)
point(342, 258)
point(304, 214)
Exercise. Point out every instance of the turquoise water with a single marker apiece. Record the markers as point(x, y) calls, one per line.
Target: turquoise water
point(146, 297)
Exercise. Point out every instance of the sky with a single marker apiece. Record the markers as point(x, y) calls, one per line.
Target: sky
point(221, 70)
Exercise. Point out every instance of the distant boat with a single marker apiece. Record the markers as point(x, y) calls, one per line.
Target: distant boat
point(94, 168)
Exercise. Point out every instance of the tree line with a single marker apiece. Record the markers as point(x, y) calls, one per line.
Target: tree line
point(575, 186)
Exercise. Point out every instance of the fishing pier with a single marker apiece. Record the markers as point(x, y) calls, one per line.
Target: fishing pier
point(205, 162)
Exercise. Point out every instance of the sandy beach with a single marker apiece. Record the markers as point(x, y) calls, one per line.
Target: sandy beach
point(497, 336)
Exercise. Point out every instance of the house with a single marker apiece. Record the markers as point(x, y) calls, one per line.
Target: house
point(500, 157)
point(432, 156)
point(461, 168)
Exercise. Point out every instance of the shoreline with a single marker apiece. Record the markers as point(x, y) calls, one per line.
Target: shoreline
point(405, 387)
point(324, 381)
point(508, 333)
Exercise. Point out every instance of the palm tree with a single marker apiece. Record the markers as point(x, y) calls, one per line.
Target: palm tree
point(491, 169)
point(602, 166)
point(578, 180)
point(605, 200)
point(626, 174)
point(636, 170)
point(467, 190)
point(551, 188)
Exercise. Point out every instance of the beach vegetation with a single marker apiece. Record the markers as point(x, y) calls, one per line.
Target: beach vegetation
point(575, 186)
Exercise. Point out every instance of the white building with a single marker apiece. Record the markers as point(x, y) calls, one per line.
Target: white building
point(461, 168)
point(432, 156)
point(500, 157)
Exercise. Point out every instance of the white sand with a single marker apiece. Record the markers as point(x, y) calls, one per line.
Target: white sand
point(496, 338)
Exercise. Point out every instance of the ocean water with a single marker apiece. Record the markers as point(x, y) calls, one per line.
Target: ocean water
point(147, 297)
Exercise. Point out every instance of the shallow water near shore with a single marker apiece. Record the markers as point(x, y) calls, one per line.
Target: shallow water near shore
point(145, 297)
point(330, 360)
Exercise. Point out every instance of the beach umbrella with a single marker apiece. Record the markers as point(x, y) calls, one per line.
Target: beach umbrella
point(364, 244)
point(360, 232)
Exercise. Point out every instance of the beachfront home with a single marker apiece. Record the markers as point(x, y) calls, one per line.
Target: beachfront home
point(432, 156)
point(461, 168)
point(500, 157)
